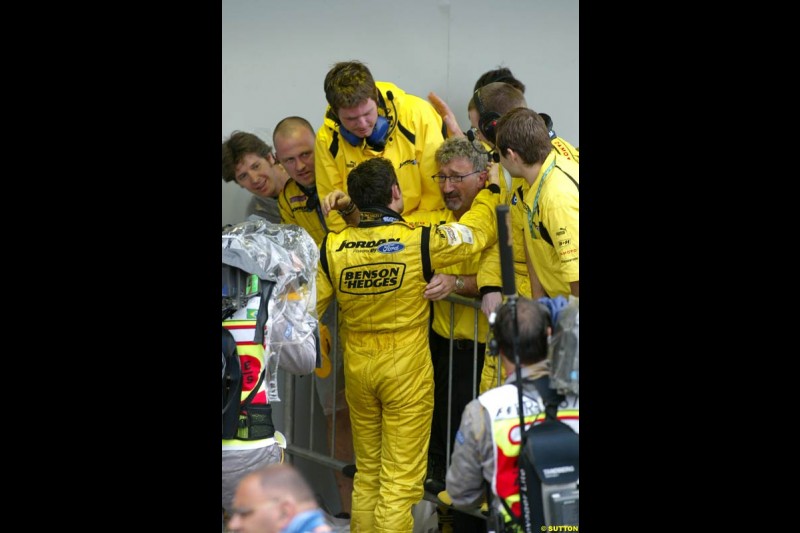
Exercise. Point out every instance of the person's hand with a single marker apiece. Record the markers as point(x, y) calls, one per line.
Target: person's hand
point(490, 301)
point(440, 286)
point(335, 199)
point(448, 117)
point(493, 172)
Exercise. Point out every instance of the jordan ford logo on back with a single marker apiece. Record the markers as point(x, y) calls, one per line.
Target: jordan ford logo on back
point(391, 247)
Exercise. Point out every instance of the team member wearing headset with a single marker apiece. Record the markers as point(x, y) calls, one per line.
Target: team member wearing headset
point(487, 105)
point(367, 119)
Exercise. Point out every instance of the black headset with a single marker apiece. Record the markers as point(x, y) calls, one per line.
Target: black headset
point(478, 146)
point(493, 344)
point(549, 123)
point(487, 122)
point(380, 133)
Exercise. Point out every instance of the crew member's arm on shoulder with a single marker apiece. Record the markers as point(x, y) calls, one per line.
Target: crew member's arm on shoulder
point(471, 454)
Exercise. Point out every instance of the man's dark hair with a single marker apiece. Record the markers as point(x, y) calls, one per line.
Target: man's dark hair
point(499, 97)
point(524, 131)
point(347, 84)
point(370, 183)
point(238, 145)
point(533, 319)
point(499, 74)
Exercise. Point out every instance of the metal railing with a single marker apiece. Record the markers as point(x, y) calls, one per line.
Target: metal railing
point(291, 416)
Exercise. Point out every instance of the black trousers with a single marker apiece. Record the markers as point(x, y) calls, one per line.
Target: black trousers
point(464, 390)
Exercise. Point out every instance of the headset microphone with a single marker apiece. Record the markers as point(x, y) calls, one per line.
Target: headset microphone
point(493, 155)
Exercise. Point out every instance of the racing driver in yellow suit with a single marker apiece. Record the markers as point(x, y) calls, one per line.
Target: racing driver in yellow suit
point(378, 272)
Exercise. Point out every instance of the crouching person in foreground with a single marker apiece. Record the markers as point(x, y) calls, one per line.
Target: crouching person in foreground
point(276, 499)
point(488, 439)
point(268, 300)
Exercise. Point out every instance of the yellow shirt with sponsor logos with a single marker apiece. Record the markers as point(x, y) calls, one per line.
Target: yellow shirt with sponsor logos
point(490, 273)
point(552, 205)
point(379, 269)
point(565, 149)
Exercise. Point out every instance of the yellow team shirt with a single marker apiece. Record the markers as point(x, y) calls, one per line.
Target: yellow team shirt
point(415, 134)
point(552, 206)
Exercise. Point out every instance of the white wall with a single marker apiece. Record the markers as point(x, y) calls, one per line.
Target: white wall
point(275, 54)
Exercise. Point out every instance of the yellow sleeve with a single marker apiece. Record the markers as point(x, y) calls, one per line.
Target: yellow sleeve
point(428, 128)
point(489, 274)
point(324, 287)
point(328, 176)
point(287, 216)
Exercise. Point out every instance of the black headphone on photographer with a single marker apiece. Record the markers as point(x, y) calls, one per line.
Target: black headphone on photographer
point(493, 344)
point(381, 131)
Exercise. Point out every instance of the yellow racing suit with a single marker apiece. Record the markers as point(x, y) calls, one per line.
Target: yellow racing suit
point(465, 360)
point(378, 272)
point(415, 132)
